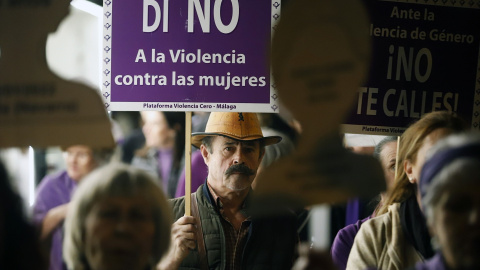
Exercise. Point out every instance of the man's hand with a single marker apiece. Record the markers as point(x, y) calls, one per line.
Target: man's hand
point(183, 240)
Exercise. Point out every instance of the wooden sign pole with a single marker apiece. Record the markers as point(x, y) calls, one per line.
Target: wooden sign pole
point(396, 158)
point(188, 163)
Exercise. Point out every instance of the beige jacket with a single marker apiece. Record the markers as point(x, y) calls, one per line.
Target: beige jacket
point(380, 243)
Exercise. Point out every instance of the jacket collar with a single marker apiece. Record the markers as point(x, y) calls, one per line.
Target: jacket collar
point(212, 200)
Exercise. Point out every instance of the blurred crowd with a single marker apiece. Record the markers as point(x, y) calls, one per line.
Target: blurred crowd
point(109, 211)
point(126, 207)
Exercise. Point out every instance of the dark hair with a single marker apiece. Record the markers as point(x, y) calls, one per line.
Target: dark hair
point(207, 141)
point(176, 121)
point(274, 121)
point(19, 238)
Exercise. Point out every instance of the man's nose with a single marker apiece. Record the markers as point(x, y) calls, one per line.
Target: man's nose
point(238, 156)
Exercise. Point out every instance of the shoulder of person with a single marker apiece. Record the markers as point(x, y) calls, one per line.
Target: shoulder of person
point(52, 180)
point(144, 153)
point(378, 241)
point(379, 229)
point(178, 204)
point(385, 219)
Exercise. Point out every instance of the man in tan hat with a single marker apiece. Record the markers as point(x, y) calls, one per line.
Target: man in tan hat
point(221, 234)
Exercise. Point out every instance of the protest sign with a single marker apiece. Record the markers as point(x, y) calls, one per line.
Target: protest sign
point(425, 58)
point(319, 59)
point(37, 108)
point(190, 55)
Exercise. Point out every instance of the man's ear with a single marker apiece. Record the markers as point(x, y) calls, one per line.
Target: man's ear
point(205, 153)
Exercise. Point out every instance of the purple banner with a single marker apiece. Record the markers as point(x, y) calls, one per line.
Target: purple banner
point(209, 55)
point(425, 58)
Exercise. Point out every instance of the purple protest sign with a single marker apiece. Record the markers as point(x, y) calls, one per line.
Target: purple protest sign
point(425, 58)
point(192, 55)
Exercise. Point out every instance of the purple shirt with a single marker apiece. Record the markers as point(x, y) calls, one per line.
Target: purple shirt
point(435, 263)
point(199, 174)
point(352, 214)
point(343, 243)
point(165, 161)
point(54, 190)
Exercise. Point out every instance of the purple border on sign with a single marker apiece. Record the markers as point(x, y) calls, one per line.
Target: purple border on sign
point(250, 41)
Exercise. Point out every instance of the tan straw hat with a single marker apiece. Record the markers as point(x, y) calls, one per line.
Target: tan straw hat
point(238, 126)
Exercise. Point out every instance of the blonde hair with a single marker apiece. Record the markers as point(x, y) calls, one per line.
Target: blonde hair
point(115, 179)
point(410, 142)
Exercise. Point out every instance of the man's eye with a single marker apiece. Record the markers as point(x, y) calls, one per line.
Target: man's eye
point(228, 148)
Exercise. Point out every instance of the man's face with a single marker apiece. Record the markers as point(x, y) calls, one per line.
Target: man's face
point(232, 165)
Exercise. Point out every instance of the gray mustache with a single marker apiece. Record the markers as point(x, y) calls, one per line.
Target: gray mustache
point(239, 168)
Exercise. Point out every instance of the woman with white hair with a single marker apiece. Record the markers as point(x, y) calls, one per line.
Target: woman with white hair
point(119, 219)
point(450, 191)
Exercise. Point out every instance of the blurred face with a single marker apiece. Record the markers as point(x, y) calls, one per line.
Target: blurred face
point(119, 233)
point(156, 130)
point(456, 224)
point(388, 158)
point(80, 161)
point(413, 168)
point(232, 165)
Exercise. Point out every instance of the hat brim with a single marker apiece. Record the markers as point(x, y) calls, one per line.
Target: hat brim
point(197, 138)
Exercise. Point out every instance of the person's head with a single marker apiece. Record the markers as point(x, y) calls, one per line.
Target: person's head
point(386, 152)
point(165, 130)
point(118, 219)
point(161, 128)
point(232, 146)
point(81, 160)
point(18, 239)
point(450, 189)
point(414, 143)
